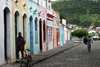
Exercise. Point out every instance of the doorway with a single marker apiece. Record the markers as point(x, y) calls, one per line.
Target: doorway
point(40, 29)
point(31, 34)
point(17, 27)
point(44, 38)
point(7, 45)
point(25, 26)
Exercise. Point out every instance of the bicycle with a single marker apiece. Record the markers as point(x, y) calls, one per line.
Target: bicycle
point(26, 61)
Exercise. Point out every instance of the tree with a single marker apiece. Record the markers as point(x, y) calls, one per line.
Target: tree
point(61, 17)
point(79, 33)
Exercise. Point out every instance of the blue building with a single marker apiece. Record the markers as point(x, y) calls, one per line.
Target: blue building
point(61, 35)
point(33, 27)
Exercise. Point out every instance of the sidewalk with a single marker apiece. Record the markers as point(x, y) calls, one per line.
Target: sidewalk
point(44, 55)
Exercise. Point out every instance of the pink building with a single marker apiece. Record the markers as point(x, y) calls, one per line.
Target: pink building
point(65, 30)
point(42, 28)
point(56, 29)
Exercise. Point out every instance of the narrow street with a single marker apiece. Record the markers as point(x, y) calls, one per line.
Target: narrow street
point(75, 57)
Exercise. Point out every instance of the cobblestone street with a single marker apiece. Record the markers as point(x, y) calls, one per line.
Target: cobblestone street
point(75, 57)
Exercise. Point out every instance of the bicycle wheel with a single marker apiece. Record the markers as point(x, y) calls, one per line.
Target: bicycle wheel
point(29, 63)
point(30, 58)
point(23, 62)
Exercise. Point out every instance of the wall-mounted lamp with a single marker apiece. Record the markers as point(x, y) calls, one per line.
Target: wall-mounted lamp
point(31, 8)
point(17, 2)
point(39, 13)
point(24, 5)
point(35, 11)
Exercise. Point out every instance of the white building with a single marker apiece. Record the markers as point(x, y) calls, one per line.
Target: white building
point(6, 49)
point(49, 26)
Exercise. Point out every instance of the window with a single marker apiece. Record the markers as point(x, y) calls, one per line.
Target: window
point(36, 31)
point(49, 33)
point(36, 24)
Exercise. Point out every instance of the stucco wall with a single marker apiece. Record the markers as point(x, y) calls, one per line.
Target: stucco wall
point(61, 36)
point(31, 13)
point(54, 38)
point(21, 11)
point(42, 16)
point(4, 4)
point(65, 31)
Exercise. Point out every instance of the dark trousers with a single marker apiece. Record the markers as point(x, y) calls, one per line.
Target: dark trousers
point(17, 53)
point(89, 47)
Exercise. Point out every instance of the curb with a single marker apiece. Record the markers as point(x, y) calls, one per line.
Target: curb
point(54, 54)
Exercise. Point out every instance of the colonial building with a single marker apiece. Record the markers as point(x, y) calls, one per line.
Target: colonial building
point(42, 24)
point(61, 34)
point(33, 22)
point(56, 29)
point(6, 50)
point(19, 22)
point(65, 31)
point(49, 31)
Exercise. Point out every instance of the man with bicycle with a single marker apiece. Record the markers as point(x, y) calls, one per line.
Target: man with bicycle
point(20, 45)
point(89, 43)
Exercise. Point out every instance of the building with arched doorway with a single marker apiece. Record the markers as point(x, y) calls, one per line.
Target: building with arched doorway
point(33, 26)
point(19, 23)
point(6, 51)
point(42, 25)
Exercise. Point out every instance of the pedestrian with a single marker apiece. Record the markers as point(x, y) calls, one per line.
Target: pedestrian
point(89, 40)
point(20, 45)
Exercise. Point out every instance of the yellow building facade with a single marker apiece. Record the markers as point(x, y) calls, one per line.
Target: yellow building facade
point(19, 22)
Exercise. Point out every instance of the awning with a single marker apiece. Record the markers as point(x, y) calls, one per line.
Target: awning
point(52, 17)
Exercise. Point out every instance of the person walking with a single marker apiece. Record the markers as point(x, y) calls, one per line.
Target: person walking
point(89, 40)
point(20, 45)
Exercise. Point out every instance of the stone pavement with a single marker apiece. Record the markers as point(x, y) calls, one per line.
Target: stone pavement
point(44, 55)
point(75, 57)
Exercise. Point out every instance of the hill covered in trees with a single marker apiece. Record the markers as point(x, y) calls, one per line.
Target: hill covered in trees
point(83, 13)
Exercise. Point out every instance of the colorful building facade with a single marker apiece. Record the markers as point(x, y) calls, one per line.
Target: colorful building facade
point(19, 22)
point(6, 47)
point(49, 31)
point(56, 29)
point(39, 26)
point(61, 35)
point(33, 26)
point(42, 27)
point(65, 31)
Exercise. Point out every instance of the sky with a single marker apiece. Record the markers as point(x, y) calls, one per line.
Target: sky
point(53, 0)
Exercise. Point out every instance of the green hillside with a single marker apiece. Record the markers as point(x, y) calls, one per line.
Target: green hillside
point(75, 12)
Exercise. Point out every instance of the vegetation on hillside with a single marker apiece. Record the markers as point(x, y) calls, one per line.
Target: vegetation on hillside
point(75, 12)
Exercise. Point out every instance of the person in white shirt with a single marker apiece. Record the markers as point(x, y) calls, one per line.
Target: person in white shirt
point(89, 40)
